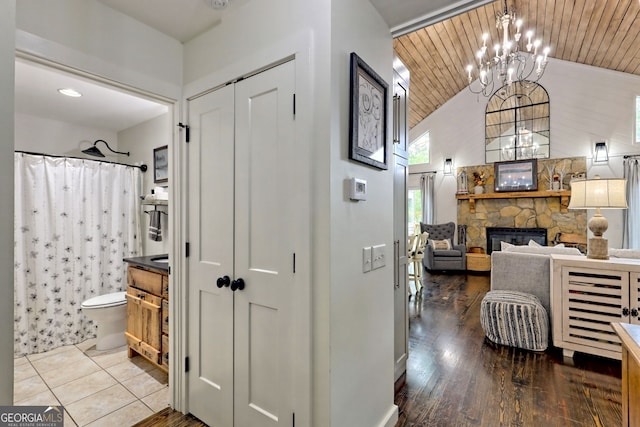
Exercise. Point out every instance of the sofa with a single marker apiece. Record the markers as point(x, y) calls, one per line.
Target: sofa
point(453, 257)
point(526, 269)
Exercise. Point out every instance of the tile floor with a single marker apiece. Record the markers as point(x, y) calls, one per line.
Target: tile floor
point(96, 388)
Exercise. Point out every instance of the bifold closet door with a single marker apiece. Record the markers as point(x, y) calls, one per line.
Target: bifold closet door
point(210, 321)
point(265, 226)
point(242, 225)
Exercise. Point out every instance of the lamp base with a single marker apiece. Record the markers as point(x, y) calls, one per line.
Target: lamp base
point(598, 248)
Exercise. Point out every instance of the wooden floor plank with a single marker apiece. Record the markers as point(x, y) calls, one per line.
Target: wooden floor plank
point(455, 377)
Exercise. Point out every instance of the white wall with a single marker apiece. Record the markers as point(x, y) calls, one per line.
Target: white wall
point(140, 141)
point(362, 312)
point(7, 54)
point(587, 104)
point(42, 135)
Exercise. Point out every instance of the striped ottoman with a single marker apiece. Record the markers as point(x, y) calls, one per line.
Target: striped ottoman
point(516, 319)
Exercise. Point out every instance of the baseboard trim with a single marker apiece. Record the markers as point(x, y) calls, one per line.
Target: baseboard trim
point(392, 417)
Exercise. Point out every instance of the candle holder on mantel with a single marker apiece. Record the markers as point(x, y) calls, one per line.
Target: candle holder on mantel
point(463, 183)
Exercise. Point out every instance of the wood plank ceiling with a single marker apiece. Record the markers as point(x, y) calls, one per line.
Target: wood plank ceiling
point(602, 33)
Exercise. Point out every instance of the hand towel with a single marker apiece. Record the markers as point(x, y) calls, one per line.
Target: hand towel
point(155, 230)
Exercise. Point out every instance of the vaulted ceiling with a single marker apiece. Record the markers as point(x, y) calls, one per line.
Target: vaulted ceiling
point(602, 33)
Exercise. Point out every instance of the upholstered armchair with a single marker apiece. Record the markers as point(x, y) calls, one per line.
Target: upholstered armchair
point(450, 256)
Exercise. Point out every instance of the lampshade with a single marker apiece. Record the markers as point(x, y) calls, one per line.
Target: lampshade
point(598, 193)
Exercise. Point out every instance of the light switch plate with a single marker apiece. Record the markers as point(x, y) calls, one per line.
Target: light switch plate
point(366, 259)
point(378, 257)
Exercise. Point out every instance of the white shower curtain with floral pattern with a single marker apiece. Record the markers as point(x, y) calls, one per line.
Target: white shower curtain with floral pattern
point(75, 220)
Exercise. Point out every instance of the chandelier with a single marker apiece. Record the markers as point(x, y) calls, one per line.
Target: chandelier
point(508, 63)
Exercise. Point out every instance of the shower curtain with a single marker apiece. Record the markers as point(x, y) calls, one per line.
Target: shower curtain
point(75, 220)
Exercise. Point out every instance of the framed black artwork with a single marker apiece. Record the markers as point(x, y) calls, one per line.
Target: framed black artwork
point(519, 175)
point(368, 115)
point(161, 164)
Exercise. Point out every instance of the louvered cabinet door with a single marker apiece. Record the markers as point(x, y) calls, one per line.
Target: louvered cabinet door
point(587, 296)
point(634, 298)
point(594, 298)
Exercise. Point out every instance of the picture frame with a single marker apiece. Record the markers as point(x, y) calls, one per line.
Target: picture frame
point(517, 175)
point(161, 164)
point(367, 115)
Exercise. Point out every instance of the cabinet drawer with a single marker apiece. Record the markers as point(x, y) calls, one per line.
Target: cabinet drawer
point(146, 280)
point(165, 350)
point(165, 316)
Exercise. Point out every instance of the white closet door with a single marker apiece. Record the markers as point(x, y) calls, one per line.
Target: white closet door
point(264, 213)
point(211, 222)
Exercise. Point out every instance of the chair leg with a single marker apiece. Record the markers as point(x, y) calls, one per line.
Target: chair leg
point(417, 270)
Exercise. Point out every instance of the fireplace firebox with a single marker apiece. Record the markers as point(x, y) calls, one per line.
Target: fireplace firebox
point(514, 236)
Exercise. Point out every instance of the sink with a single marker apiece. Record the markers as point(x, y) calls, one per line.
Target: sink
point(161, 259)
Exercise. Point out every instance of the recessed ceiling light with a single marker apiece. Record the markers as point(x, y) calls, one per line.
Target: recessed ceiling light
point(70, 92)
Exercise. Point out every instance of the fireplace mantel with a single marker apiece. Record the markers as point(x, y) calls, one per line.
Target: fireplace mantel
point(563, 194)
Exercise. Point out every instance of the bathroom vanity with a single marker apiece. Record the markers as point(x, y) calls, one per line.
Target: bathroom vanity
point(148, 309)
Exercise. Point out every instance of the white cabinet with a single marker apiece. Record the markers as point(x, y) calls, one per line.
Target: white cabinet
point(400, 217)
point(587, 295)
point(241, 272)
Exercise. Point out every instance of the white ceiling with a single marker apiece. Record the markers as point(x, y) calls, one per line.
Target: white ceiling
point(112, 109)
point(99, 106)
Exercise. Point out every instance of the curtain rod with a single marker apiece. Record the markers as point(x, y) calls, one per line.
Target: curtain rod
point(631, 156)
point(422, 173)
point(142, 167)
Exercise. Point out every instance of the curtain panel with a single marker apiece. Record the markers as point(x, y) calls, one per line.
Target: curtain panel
point(75, 220)
point(631, 215)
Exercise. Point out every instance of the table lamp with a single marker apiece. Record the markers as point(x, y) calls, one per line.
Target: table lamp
point(598, 194)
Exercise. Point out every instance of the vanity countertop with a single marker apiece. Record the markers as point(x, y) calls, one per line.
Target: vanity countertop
point(150, 262)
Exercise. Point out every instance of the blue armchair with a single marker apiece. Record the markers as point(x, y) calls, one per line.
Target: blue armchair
point(454, 258)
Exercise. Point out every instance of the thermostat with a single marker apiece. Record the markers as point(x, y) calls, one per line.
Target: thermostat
point(358, 189)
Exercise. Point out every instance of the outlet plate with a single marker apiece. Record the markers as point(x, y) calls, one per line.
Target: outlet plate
point(377, 256)
point(366, 259)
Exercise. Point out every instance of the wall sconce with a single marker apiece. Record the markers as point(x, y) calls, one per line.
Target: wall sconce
point(448, 166)
point(601, 153)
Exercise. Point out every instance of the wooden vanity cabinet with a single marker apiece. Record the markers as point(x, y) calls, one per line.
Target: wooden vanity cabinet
point(148, 315)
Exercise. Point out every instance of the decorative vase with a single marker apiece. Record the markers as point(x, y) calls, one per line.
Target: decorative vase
point(478, 189)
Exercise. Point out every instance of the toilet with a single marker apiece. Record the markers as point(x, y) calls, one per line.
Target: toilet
point(109, 313)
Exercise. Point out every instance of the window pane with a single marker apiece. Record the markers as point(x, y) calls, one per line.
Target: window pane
point(419, 150)
point(414, 199)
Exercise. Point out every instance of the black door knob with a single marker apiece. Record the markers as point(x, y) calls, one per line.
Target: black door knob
point(237, 284)
point(625, 311)
point(223, 281)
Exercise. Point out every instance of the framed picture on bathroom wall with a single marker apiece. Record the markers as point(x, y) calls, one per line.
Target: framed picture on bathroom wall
point(161, 164)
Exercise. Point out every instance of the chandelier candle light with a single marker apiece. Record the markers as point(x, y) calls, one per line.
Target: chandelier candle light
point(508, 63)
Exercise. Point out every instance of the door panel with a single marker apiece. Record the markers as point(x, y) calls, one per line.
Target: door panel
point(265, 214)
point(211, 170)
point(401, 309)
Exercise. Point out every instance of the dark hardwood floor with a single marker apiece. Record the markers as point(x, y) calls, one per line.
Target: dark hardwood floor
point(457, 378)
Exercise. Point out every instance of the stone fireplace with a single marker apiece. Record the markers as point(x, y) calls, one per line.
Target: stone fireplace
point(542, 209)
